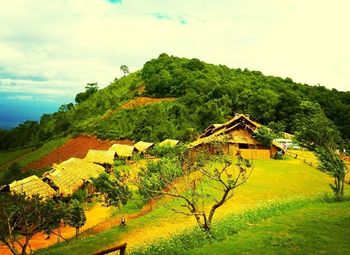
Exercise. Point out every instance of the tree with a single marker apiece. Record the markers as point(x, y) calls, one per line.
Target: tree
point(318, 133)
point(314, 129)
point(76, 217)
point(124, 69)
point(19, 217)
point(114, 191)
point(55, 213)
point(332, 164)
point(22, 217)
point(90, 89)
point(265, 136)
point(207, 183)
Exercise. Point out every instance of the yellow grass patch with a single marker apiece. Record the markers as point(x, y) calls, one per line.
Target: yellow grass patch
point(270, 180)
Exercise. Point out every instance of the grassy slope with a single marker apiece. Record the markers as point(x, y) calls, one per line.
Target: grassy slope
point(315, 229)
point(42, 151)
point(271, 180)
point(6, 156)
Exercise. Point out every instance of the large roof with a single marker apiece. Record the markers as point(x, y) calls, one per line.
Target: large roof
point(209, 139)
point(71, 174)
point(169, 142)
point(239, 119)
point(32, 185)
point(142, 146)
point(100, 157)
point(217, 132)
point(122, 150)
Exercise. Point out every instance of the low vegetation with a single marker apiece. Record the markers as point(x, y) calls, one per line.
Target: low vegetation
point(289, 226)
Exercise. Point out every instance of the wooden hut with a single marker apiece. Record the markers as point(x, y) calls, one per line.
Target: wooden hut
point(236, 137)
point(72, 174)
point(122, 150)
point(169, 143)
point(31, 186)
point(142, 147)
point(103, 158)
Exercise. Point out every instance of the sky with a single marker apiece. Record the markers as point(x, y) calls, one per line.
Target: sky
point(49, 50)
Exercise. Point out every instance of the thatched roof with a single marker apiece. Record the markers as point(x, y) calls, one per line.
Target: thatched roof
point(206, 140)
point(32, 185)
point(239, 119)
point(143, 146)
point(100, 157)
point(71, 174)
point(122, 150)
point(169, 142)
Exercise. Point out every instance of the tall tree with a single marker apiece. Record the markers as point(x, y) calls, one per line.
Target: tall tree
point(318, 133)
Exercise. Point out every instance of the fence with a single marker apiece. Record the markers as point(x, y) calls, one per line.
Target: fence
point(307, 161)
point(121, 248)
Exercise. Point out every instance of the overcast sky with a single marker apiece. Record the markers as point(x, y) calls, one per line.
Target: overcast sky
point(49, 50)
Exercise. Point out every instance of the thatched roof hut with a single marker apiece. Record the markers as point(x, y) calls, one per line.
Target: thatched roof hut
point(143, 146)
point(32, 185)
point(100, 157)
point(72, 174)
point(236, 136)
point(169, 142)
point(122, 150)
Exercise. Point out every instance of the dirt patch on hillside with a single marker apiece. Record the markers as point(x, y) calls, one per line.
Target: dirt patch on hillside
point(138, 102)
point(141, 101)
point(76, 147)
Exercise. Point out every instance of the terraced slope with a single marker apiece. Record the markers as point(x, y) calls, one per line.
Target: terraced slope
point(76, 147)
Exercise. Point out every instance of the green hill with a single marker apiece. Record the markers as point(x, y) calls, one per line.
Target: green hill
point(205, 94)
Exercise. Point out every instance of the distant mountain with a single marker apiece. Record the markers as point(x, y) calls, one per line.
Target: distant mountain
point(14, 113)
point(205, 94)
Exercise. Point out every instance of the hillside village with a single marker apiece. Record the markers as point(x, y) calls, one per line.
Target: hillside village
point(68, 176)
point(150, 163)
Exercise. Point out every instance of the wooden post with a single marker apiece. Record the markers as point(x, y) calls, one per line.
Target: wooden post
point(121, 248)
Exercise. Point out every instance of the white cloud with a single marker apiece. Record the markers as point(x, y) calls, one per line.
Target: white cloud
point(71, 43)
point(20, 97)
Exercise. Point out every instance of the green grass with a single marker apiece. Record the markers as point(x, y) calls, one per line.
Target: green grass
point(6, 156)
point(314, 229)
point(42, 151)
point(302, 226)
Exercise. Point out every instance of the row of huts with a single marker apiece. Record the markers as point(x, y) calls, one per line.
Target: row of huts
point(68, 176)
point(235, 137)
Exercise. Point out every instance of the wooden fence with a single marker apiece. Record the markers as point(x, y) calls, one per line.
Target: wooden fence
point(301, 158)
point(121, 248)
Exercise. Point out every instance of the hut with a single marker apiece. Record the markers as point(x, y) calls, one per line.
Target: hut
point(122, 150)
point(103, 158)
point(142, 147)
point(236, 137)
point(31, 186)
point(72, 174)
point(169, 143)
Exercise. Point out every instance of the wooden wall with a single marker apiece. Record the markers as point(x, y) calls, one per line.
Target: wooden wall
point(255, 153)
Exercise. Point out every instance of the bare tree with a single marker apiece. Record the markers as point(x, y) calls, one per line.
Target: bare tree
point(205, 186)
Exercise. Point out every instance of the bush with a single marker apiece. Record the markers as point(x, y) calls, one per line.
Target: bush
point(158, 175)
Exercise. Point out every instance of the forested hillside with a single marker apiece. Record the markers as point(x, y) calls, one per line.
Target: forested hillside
point(205, 94)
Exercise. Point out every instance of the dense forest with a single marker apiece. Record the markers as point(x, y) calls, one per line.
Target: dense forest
point(205, 94)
